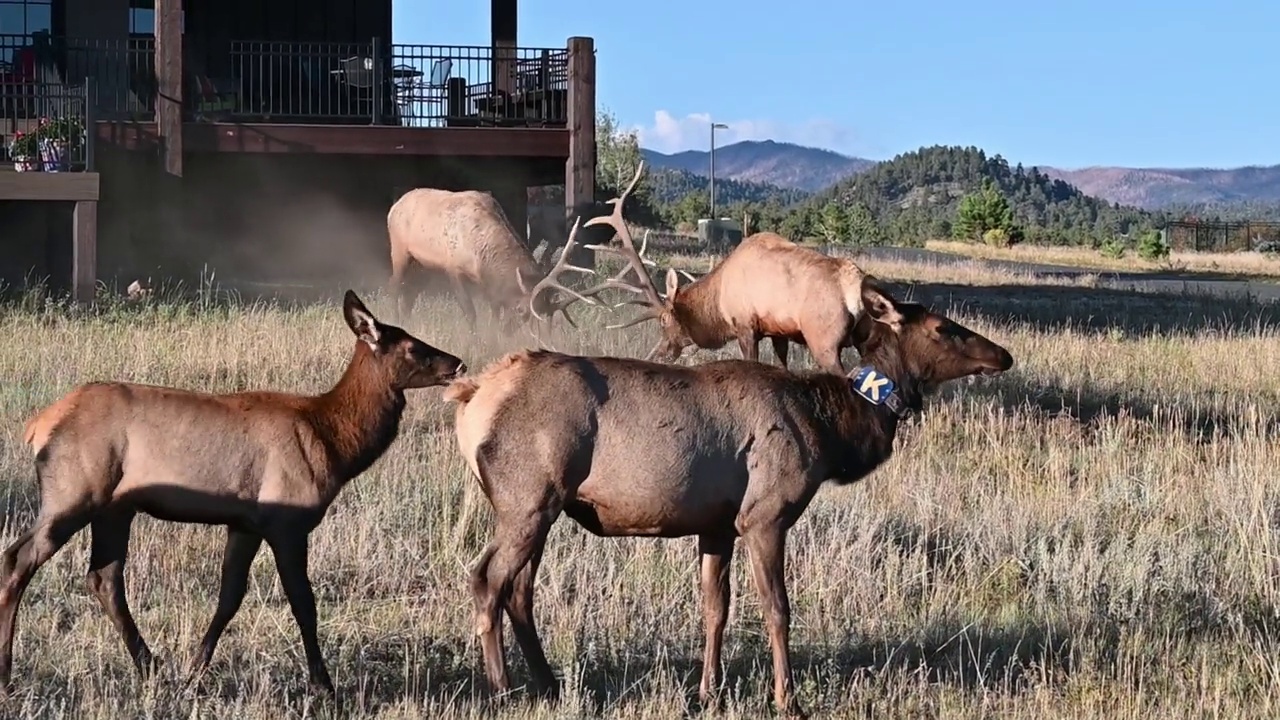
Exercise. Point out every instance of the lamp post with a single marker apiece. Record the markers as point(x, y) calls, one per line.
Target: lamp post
point(714, 126)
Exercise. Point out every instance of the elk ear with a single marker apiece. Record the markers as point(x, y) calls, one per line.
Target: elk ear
point(360, 320)
point(881, 306)
point(673, 283)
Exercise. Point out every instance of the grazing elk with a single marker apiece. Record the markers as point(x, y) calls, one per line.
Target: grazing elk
point(720, 450)
point(465, 237)
point(767, 287)
point(264, 464)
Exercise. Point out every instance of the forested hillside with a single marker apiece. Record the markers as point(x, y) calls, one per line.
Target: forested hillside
point(917, 195)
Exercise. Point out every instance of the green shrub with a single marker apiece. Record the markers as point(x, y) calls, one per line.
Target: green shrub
point(1112, 248)
point(1152, 247)
point(996, 237)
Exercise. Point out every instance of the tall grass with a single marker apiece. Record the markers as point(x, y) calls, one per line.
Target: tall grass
point(1091, 535)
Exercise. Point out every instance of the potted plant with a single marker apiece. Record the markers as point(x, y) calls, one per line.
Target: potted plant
point(58, 136)
point(24, 151)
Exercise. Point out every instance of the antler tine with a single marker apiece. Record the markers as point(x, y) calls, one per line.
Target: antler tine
point(628, 249)
point(562, 265)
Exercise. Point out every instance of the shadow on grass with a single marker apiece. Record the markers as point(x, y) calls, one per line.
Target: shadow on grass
point(1055, 308)
point(1201, 416)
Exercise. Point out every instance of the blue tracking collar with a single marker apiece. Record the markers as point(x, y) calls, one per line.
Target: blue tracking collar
point(876, 388)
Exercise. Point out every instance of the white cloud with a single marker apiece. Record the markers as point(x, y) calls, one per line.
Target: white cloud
point(670, 134)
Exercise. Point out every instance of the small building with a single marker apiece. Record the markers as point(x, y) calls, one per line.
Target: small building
point(264, 138)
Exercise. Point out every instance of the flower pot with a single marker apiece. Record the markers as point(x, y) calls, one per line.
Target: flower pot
point(26, 164)
point(53, 154)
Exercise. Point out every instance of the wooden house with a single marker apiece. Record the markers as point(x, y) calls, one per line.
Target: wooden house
point(266, 138)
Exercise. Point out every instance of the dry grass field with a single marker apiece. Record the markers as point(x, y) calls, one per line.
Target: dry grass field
point(1254, 265)
point(1092, 535)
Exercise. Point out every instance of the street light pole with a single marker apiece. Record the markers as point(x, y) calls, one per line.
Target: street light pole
point(714, 127)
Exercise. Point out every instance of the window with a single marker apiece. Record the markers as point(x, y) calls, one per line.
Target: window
point(18, 20)
point(142, 18)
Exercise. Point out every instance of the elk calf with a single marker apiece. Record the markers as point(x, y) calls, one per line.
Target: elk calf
point(264, 464)
point(721, 450)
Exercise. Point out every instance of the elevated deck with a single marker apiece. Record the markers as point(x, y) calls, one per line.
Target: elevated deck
point(250, 137)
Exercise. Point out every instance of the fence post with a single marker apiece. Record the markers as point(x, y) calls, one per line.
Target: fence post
point(376, 56)
point(90, 123)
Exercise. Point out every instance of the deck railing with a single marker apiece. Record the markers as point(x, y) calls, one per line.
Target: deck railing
point(122, 70)
point(45, 126)
point(375, 83)
point(371, 82)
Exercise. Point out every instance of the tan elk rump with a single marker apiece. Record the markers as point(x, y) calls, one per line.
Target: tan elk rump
point(725, 449)
point(264, 464)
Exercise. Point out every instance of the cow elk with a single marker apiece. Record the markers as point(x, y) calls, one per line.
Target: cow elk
point(264, 464)
point(721, 450)
point(767, 287)
point(464, 236)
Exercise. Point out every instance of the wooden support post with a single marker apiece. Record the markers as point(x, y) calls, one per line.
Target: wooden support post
point(84, 251)
point(502, 32)
point(580, 169)
point(168, 65)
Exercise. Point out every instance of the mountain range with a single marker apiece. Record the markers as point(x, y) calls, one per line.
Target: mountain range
point(808, 170)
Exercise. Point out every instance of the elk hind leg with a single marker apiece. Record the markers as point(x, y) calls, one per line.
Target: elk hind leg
point(109, 550)
point(519, 608)
point(21, 561)
point(520, 536)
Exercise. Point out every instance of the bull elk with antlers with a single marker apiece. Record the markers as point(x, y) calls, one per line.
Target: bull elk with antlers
point(722, 450)
point(465, 237)
point(767, 287)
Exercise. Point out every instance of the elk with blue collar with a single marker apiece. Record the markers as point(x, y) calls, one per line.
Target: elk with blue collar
point(723, 450)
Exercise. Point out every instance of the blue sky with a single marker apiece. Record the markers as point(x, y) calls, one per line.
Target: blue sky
point(1068, 84)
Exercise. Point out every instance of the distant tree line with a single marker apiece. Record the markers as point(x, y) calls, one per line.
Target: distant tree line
point(933, 192)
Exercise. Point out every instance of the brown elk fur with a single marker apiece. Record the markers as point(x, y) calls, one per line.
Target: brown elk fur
point(464, 236)
point(767, 287)
point(721, 450)
point(266, 465)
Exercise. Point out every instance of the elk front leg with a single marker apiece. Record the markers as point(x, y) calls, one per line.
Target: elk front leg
point(827, 356)
point(291, 563)
point(766, 548)
point(717, 554)
point(108, 551)
point(237, 558)
point(749, 344)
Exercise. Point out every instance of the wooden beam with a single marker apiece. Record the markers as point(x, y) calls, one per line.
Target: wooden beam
point(580, 168)
point(168, 62)
point(84, 251)
point(65, 186)
point(377, 140)
point(502, 35)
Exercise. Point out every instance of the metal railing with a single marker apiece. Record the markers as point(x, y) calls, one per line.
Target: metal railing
point(122, 70)
point(47, 127)
point(449, 85)
point(375, 83)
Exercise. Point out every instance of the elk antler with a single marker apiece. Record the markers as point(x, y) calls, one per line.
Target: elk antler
point(636, 261)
